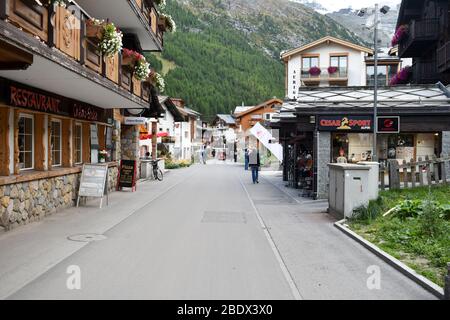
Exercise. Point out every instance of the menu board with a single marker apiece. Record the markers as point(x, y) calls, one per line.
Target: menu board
point(127, 174)
point(93, 180)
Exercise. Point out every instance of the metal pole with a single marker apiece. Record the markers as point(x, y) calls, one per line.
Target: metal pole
point(375, 93)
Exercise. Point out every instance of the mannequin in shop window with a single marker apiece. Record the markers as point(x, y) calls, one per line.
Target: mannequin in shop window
point(341, 158)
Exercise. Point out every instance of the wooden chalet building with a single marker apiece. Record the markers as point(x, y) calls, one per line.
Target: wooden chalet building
point(62, 101)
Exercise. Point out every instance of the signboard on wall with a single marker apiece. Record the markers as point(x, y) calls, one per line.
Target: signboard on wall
point(93, 181)
point(266, 138)
point(346, 123)
point(18, 95)
point(388, 124)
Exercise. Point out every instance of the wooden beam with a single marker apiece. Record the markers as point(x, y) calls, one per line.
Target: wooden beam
point(4, 142)
point(39, 147)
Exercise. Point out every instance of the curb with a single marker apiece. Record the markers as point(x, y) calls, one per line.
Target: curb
point(397, 264)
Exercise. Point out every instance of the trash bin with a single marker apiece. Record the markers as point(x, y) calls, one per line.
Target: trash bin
point(349, 188)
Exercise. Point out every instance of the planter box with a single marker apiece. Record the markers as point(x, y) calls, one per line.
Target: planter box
point(94, 31)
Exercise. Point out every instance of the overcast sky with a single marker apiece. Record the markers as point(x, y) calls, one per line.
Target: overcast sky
point(355, 4)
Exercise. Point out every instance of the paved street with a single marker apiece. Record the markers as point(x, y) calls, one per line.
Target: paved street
point(203, 233)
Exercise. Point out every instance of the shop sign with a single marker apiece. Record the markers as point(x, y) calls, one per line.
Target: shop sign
point(346, 123)
point(133, 121)
point(93, 182)
point(388, 124)
point(22, 96)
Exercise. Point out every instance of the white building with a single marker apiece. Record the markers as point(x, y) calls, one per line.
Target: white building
point(334, 62)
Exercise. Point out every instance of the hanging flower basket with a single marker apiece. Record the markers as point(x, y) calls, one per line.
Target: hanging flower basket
point(315, 71)
point(166, 23)
point(402, 77)
point(129, 57)
point(332, 70)
point(142, 69)
point(157, 80)
point(111, 40)
point(400, 34)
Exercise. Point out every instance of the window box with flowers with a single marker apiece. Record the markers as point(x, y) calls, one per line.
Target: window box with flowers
point(402, 77)
point(166, 23)
point(108, 36)
point(157, 81)
point(400, 34)
point(315, 71)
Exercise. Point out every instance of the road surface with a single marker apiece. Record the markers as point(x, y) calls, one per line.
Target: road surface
point(208, 234)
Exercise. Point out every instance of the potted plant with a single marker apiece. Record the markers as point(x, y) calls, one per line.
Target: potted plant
point(157, 81)
point(111, 40)
point(129, 57)
point(400, 34)
point(315, 71)
point(102, 155)
point(332, 70)
point(142, 68)
point(166, 22)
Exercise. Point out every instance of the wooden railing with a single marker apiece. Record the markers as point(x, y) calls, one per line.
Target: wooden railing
point(64, 28)
point(414, 174)
point(420, 32)
point(443, 57)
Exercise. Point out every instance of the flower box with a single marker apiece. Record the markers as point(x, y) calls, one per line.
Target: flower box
point(94, 31)
point(315, 71)
point(162, 23)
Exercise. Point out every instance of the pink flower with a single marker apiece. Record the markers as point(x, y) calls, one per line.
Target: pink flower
point(315, 71)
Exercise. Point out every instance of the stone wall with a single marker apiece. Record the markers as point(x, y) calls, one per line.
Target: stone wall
point(130, 145)
point(26, 202)
point(323, 159)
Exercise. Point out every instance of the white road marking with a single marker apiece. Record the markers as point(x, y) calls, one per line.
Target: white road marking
point(287, 275)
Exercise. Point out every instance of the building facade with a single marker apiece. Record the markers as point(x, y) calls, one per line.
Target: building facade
point(423, 34)
point(61, 99)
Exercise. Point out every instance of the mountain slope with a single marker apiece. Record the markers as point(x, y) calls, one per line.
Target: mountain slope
point(226, 52)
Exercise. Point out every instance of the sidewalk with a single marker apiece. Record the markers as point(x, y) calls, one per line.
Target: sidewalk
point(47, 239)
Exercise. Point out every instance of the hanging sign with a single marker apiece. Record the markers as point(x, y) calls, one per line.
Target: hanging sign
point(133, 121)
point(346, 123)
point(388, 124)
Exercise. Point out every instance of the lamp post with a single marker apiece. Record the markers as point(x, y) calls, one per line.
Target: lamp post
point(362, 13)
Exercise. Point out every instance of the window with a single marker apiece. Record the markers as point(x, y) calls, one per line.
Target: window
point(341, 63)
point(268, 116)
point(56, 142)
point(385, 74)
point(308, 63)
point(78, 145)
point(26, 142)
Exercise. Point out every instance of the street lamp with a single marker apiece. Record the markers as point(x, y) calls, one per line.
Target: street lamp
point(362, 13)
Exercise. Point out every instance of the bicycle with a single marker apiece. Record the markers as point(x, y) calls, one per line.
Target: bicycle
point(157, 172)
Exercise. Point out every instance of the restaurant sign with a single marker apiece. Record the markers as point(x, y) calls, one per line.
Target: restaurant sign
point(346, 123)
point(388, 124)
point(18, 95)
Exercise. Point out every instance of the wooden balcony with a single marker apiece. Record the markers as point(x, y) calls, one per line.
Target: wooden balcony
point(422, 33)
point(443, 58)
point(64, 28)
point(341, 75)
point(425, 72)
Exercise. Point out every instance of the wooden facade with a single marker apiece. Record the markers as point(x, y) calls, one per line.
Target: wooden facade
point(427, 40)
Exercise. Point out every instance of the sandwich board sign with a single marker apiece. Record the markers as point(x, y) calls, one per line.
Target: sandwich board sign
point(93, 182)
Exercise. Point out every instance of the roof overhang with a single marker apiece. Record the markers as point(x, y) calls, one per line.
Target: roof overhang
point(54, 72)
point(286, 55)
point(126, 15)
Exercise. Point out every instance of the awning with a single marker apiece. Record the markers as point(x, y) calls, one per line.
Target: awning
point(150, 136)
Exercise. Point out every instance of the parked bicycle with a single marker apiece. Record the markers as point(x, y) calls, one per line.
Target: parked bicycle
point(156, 170)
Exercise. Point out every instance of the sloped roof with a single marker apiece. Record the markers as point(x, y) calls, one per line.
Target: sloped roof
point(173, 109)
point(363, 97)
point(227, 118)
point(344, 43)
point(240, 109)
point(262, 105)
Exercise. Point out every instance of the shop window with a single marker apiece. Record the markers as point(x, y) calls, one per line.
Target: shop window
point(26, 142)
point(56, 144)
point(78, 143)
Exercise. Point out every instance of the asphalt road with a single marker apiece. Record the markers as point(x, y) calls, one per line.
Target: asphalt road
point(215, 235)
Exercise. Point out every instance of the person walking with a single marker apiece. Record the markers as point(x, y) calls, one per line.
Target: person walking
point(246, 160)
point(254, 163)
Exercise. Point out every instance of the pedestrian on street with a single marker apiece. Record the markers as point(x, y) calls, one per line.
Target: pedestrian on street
point(254, 163)
point(246, 160)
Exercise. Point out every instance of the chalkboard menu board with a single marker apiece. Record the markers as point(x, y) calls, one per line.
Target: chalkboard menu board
point(93, 181)
point(127, 174)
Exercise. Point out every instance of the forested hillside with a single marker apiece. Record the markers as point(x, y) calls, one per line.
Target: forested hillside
point(226, 52)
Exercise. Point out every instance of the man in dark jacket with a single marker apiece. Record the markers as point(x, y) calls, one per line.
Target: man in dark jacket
point(254, 163)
